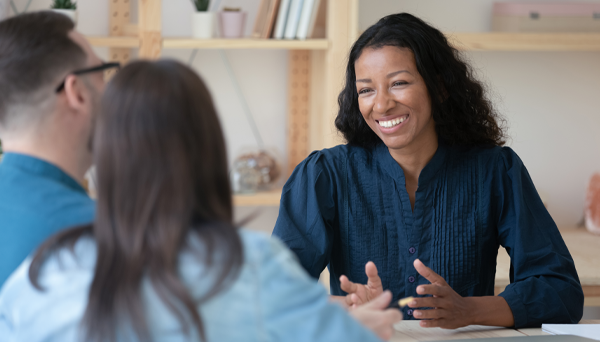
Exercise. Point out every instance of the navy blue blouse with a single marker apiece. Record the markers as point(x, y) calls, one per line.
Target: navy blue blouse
point(345, 206)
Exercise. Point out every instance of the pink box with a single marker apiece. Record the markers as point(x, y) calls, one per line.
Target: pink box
point(557, 9)
point(546, 17)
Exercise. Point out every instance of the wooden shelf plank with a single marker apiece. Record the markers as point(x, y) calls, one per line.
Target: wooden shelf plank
point(189, 43)
point(267, 198)
point(500, 41)
point(115, 42)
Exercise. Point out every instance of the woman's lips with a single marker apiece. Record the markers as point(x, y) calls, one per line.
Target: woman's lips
point(392, 124)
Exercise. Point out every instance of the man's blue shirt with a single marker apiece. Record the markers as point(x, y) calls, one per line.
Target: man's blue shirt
point(37, 199)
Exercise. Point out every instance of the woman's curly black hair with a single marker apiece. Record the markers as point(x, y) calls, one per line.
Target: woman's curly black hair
point(462, 112)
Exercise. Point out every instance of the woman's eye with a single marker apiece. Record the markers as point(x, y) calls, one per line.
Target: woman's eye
point(399, 83)
point(363, 91)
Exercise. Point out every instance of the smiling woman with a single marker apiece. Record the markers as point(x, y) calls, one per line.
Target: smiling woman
point(423, 194)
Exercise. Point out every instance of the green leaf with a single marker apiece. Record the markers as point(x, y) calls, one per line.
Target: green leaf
point(64, 4)
point(201, 5)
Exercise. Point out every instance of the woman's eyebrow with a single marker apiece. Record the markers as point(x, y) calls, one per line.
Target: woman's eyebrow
point(390, 75)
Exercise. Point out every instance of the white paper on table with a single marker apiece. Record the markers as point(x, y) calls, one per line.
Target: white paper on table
point(584, 330)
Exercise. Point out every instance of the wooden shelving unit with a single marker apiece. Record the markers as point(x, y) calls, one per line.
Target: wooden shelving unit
point(268, 198)
point(187, 43)
point(316, 63)
point(499, 41)
point(115, 42)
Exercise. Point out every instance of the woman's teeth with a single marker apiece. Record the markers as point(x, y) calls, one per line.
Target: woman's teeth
point(392, 123)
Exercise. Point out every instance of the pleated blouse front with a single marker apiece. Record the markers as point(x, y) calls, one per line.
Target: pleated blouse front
point(345, 206)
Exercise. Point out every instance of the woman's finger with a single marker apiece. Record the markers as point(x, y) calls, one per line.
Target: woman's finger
point(428, 302)
point(374, 281)
point(432, 323)
point(430, 314)
point(428, 273)
point(434, 290)
point(347, 286)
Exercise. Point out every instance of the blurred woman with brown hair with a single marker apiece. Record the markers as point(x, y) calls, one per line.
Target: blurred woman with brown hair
point(163, 260)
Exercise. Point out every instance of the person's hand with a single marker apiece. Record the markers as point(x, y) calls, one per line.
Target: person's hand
point(376, 317)
point(359, 294)
point(450, 310)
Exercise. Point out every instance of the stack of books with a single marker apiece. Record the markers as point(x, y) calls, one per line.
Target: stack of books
point(290, 19)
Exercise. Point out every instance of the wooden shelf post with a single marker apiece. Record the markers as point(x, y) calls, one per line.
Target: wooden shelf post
point(342, 31)
point(150, 27)
point(119, 19)
point(298, 107)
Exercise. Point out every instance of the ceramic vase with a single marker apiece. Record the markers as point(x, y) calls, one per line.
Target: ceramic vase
point(232, 24)
point(203, 25)
point(69, 13)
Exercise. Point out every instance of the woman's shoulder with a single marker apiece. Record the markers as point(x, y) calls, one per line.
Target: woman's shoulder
point(81, 257)
point(260, 247)
point(336, 158)
point(489, 156)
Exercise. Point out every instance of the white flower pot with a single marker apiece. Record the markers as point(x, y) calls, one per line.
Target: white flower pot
point(69, 13)
point(203, 25)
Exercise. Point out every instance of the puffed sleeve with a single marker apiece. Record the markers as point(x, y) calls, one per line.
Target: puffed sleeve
point(307, 212)
point(290, 297)
point(544, 286)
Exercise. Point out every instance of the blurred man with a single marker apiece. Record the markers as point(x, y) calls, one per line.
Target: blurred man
point(50, 84)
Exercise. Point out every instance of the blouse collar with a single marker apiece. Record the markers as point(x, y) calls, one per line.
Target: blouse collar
point(382, 154)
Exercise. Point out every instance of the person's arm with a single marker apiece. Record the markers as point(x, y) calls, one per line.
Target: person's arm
point(544, 284)
point(307, 213)
point(297, 308)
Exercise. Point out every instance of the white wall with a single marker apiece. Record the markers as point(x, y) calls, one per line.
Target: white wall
point(549, 98)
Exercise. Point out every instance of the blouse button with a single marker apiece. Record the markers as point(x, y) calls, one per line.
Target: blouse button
point(412, 250)
point(411, 279)
point(409, 312)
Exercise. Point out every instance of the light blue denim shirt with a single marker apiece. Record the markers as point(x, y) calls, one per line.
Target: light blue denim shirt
point(272, 299)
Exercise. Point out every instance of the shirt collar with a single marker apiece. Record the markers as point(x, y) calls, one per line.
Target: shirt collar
point(395, 171)
point(39, 167)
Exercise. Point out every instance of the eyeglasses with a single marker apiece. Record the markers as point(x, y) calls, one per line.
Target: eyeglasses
point(101, 67)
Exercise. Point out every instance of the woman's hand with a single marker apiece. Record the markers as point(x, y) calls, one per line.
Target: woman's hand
point(359, 294)
point(450, 310)
point(376, 317)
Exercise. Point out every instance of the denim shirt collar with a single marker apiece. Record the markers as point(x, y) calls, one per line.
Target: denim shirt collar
point(382, 154)
point(41, 168)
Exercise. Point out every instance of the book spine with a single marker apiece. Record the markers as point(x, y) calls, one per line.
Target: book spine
point(281, 19)
point(305, 19)
point(291, 27)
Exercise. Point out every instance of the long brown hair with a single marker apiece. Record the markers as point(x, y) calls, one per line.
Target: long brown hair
point(162, 173)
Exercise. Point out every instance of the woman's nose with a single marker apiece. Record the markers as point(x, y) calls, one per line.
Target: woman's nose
point(383, 102)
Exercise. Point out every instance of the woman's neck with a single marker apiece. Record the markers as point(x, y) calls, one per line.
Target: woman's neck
point(413, 159)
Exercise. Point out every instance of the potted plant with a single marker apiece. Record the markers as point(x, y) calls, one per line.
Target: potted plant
point(203, 21)
point(66, 7)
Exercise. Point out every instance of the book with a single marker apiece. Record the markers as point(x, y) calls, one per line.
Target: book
point(318, 28)
point(282, 15)
point(291, 26)
point(271, 16)
point(308, 16)
point(261, 19)
point(583, 330)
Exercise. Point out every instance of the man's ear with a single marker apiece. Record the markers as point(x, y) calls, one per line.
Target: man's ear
point(75, 92)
